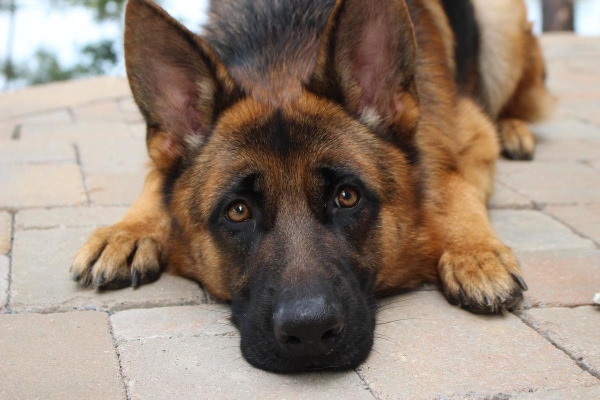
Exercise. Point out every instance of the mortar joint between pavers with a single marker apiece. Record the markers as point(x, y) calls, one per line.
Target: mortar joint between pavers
point(116, 347)
point(577, 360)
point(366, 384)
point(83, 180)
point(16, 133)
point(575, 231)
point(7, 307)
point(71, 114)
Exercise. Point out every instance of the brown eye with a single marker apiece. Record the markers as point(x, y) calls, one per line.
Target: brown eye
point(347, 198)
point(238, 212)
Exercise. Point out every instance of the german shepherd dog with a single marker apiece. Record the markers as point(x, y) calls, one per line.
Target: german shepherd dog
point(308, 155)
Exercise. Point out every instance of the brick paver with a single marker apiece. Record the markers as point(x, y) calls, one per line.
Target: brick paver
point(426, 349)
point(41, 185)
point(41, 282)
point(532, 230)
point(5, 232)
point(4, 270)
point(72, 157)
point(193, 353)
point(577, 331)
point(584, 219)
point(556, 182)
point(35, 151)
point(58, 356)
point(561, 277)
point(68, 217)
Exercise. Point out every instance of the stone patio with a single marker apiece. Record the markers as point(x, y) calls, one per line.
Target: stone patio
point(72, 158)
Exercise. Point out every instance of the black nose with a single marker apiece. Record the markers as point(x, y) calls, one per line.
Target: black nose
point(308, 327)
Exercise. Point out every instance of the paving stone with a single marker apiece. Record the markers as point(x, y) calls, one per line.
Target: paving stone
point(138, 130)
point(561, 277)
point(99, 155)
point(212, 367)
point(130, 110)
point(435, 350)
point(59, 95)
point(58, 356)
point(41, 279)
point(103, 111)
point(505, 197)
point(77, 217)
point(579, 150)
point(584, 219)
point(109, 130)
point(41, 185)
point(532, 230)
point(47, 117)
point(575, 330)
point(585, 110)
point(594, 164)
point(5, 232)
point(7, 129)
point(31, 151)
point(115, 189)
point(555, 182)
point(582, 393)
point(4, 271)
point(566, 129)
point(172, 322)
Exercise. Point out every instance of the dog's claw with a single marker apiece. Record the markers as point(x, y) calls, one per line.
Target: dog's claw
point(99, 281)
point(135, 278)
point(520, 281)
point(462, 297)
point(487, 300)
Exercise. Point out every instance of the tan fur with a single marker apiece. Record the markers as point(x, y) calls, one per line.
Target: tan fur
point(433, 222)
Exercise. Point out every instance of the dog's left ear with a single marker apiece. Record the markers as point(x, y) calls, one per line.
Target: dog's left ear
point(366, 62)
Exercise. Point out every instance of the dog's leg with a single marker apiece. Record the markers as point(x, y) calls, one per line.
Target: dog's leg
point(518, 142)
point(475, 268)
point(130, 252)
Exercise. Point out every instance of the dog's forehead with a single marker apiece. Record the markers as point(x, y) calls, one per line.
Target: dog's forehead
point(287, 147)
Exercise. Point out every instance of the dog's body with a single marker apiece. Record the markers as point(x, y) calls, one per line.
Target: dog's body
point(309, 154)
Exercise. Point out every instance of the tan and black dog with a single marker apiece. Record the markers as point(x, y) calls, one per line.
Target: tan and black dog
point(309, 154)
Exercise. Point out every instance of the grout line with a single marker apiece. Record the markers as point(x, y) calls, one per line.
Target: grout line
point(571, 228)
point(118, 354)
point(16, 134)
point(71, 115)
point(78, 160)
point(7, 308)
point(578, 361)
point(364, 382)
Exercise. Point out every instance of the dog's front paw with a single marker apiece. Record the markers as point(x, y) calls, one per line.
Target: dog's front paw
point(117, 256)
point(484, 279)
point(518, 142)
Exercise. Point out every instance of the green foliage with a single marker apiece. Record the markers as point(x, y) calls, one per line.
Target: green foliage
point(96, 58)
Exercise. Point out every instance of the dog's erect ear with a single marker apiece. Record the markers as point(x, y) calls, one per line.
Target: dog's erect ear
point(367, 63)
point(177, 81)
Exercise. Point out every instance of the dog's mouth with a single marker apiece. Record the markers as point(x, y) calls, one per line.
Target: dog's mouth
point(294, 332)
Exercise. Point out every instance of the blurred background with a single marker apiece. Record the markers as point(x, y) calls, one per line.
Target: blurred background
point(51, 40)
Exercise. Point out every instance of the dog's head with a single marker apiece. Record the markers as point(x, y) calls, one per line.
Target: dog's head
point(289, 210)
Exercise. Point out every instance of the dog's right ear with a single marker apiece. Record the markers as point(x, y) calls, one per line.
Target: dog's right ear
point(177, 81)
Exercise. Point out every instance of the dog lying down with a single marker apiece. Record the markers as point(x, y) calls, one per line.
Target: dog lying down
point(308, 155)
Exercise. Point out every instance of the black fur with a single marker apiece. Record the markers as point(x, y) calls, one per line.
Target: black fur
point(461, 15)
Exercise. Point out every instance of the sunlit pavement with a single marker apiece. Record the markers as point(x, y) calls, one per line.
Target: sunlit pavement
point(72, 157)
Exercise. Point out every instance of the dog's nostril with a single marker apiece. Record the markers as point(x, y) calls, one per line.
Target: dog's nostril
point(292, 341)
point(333, 334)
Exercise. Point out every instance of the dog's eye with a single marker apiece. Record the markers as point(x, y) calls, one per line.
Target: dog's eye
point(238, 212)
point(347, 198)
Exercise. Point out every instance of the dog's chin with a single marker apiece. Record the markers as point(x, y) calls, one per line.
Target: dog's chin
point(271, 358)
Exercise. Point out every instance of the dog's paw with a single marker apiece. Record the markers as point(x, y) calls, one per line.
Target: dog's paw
point(118, 256)
point(518, 142)
point(484, 279)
